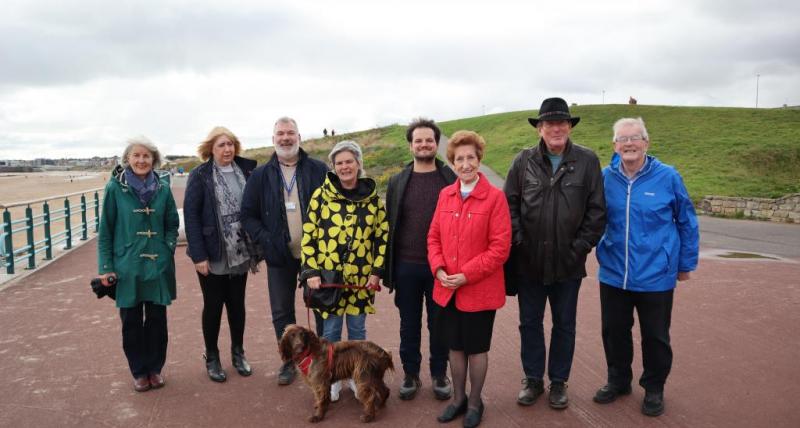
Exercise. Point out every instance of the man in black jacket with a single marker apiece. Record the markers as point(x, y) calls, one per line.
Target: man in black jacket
point(274, 207)
point(555, 194)
point(411, 200)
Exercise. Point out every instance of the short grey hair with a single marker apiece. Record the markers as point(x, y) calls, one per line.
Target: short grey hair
point(348, 146)
point(286, 119)
point(147, 144)
point(630, 121)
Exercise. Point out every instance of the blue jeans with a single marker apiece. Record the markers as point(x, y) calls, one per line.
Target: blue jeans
point(356, 327)
point(563, 298)
point(413, 284)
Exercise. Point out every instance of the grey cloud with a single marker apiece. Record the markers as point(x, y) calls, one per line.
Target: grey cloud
point(68, 45)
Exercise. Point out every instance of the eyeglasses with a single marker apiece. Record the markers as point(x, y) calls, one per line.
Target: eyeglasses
point(631, 138)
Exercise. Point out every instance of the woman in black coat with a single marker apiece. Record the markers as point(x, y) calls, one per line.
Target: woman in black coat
point(218, 244)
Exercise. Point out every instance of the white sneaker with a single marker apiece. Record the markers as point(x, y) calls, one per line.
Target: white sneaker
point(352, 384)
point(336, 388)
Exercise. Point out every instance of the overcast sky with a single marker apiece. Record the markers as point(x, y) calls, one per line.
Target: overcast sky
point(77, 78)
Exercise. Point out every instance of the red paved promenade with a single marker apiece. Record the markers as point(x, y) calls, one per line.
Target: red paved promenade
point(735, 339)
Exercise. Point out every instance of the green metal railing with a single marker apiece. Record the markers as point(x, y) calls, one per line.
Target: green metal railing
point(11, 256)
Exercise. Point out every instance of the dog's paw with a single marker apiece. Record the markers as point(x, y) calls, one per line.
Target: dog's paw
point(314, 418)
point(367, 418)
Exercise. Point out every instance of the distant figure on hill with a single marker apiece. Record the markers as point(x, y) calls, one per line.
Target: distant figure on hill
point(333, 132)
point(632, 100)
point(324, 132)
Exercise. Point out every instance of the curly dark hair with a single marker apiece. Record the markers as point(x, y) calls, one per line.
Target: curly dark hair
point(422, 122)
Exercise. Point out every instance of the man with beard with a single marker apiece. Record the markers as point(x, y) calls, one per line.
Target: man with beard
point(411, 200)
point(274, 207)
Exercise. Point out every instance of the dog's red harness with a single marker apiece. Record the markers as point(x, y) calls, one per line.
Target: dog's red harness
point(305, 359)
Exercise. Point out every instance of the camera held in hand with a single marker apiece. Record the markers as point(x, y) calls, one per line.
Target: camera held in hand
point(101, 290)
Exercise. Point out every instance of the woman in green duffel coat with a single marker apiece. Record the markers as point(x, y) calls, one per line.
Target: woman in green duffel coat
point(136, 244)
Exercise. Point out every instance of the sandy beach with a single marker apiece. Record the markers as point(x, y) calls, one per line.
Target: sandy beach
point(19, 187)
point(24, 187)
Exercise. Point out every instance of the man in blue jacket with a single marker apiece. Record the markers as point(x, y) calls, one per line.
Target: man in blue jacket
point(650, 243)
point(274, 207)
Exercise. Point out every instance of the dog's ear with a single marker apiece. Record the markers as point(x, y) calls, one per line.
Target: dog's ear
point(311, 339)
point(285, 346)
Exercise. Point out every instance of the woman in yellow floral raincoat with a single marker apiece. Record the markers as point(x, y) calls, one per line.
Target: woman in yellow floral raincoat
point(346, 232)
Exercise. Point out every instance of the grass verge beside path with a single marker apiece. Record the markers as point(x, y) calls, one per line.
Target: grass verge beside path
point(718, 151)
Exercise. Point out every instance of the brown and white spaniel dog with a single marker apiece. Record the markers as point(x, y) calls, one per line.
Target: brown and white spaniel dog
point(323, 363)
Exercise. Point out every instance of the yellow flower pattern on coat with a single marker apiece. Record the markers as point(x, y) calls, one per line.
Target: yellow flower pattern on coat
point(355, 229)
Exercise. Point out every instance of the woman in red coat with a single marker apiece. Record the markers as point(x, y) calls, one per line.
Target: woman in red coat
point(468, 242)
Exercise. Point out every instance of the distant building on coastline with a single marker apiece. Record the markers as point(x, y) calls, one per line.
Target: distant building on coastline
point(47, 164)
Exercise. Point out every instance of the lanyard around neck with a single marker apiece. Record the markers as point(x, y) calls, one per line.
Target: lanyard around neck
point(291, 184)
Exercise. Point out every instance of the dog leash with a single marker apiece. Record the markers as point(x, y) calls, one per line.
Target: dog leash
point(377, 288)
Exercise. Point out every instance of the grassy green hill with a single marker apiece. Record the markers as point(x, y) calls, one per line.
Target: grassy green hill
point(719, 151)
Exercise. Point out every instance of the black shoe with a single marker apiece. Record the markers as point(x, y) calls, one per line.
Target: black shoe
point(558, 395)
point(410, 386)
point(239, 362)
point(452, 411)
point(214, 367)
point(286, 373)
point(653, 404)
point(531, 390)
point(610, 392)
point(473, 417)
point(442, 389)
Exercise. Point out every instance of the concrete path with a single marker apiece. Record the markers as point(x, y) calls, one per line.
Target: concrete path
point(751, 236)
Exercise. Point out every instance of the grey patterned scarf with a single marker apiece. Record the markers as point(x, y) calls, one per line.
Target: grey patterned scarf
point(238, 247)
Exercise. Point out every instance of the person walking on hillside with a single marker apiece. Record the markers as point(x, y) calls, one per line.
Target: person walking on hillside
point(468, 243)
point(650, 243)
point(274, 208)
point(220, 249)
point(555, 193)
point(410, 201)
point(136, 245)
point(345, 238)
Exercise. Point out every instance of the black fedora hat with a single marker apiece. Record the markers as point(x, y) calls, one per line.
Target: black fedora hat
point(554, 109)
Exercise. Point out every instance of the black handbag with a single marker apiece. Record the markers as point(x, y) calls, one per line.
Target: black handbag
point(324, 299)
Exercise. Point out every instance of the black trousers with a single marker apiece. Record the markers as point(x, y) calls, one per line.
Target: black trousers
point(654, 311)
point(281, 284)
point(219, 291)
point(144, 337)
point(413, 286)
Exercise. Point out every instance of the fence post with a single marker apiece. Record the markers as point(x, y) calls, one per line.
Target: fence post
point(68, 223)
point(96, 212)
point(48, 238)
point(9, 242)
point(84, 226)
point(29, 233)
